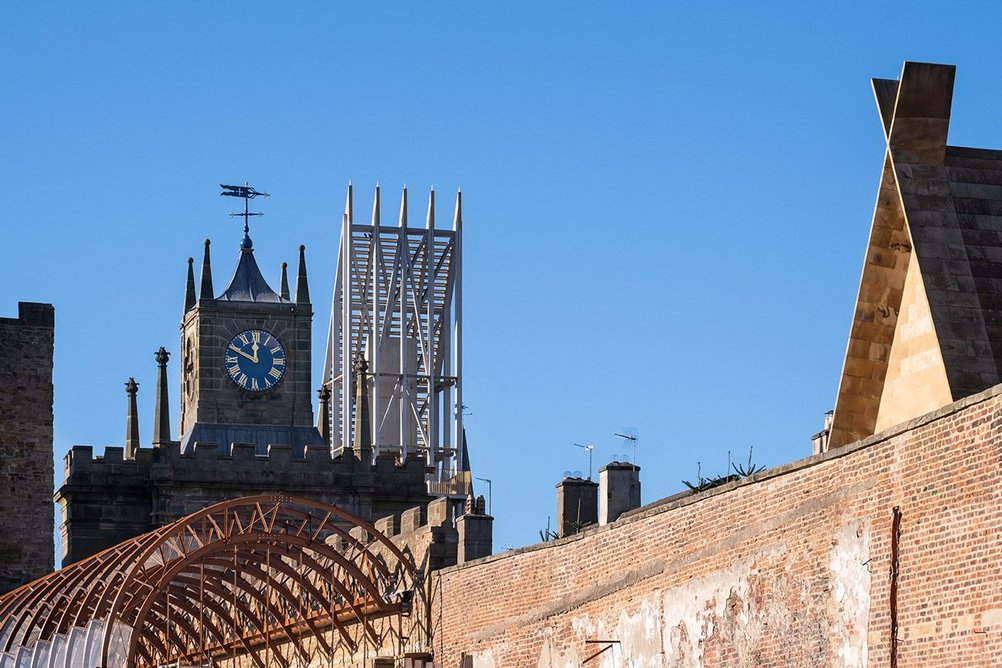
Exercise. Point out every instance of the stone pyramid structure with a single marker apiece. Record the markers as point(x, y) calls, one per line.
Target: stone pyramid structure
point(927, 328)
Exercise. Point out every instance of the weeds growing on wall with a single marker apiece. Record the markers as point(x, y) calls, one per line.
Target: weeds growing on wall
point(740, 471)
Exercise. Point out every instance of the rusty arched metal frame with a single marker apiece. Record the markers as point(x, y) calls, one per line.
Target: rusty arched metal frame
point(241, 577)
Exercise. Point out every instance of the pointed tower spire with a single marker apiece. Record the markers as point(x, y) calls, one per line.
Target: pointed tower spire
point(161, 417)
point(206, 289)
point(189, 287)
point(403, 207)
point(324, 420)
point(362, 444)
point(302, 288)
point(430, 221)
point(131, 420)
point(348, 205)
point(284, 290)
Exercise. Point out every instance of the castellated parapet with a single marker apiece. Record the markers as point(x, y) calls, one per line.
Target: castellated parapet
point(108, 498)
point(435, 535)
point(26, 514)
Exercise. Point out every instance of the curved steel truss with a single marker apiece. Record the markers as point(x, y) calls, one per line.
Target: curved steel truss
point(275, 579)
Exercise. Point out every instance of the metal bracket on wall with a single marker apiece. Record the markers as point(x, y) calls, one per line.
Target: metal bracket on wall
point(608, 645)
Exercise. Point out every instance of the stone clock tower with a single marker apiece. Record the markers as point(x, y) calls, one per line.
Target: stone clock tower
point(245, 360)
point(246, 422)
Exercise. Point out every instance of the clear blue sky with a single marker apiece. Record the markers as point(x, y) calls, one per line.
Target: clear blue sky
point(666, 205)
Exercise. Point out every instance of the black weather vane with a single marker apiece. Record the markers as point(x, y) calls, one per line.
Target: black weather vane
point(248, 193)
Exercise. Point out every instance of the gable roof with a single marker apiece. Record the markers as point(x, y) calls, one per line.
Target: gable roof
point(939, 207)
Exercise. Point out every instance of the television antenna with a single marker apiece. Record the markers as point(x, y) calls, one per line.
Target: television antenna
point(587, 448)
point(630, 438)
point(490, 494)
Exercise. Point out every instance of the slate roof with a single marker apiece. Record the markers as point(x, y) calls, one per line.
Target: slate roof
point(247, 284)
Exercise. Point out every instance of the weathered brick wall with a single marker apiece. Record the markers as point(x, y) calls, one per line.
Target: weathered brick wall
point(791, 567)
point(26, 512)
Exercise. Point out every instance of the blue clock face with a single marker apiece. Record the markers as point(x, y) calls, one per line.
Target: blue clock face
point(255, 360)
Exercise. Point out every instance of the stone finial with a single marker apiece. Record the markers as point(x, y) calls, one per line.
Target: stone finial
point(161, 418)
point(302, 288)
point(362, 444)
point(284, 290)
point(131, 420)
point(189, 287)
point(205, 291)
point(325, 414)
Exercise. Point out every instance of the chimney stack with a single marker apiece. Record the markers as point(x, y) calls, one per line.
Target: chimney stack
point(618, 490)
point(577, 505)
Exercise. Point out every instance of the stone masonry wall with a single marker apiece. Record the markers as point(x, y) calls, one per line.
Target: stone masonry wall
point(26, 512)
point(791, 567)
point(107, 498)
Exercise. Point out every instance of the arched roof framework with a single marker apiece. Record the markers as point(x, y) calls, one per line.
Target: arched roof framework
point(273, 578)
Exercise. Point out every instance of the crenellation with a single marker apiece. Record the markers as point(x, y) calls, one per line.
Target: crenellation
point(144, 457)
point(113, 454)
point(243, 452)
point(78, 459)
point(440, 512)
point(161, 484)
point(206, 451)
point(413, 518)
point(386, 462)
point(389, 525)
point(281, 454)
point(317, 453)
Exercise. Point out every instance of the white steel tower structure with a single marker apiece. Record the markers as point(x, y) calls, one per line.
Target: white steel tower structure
point(398, 306)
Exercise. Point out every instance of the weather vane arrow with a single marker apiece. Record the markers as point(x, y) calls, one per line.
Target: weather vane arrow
point(247, 193)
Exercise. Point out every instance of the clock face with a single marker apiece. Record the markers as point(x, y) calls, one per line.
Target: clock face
point(255, 360)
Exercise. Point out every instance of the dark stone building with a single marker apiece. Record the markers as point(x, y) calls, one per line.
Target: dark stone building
point(26, 512)
point(247, 424)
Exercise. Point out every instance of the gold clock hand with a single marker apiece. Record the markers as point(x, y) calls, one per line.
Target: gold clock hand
point(254, 348)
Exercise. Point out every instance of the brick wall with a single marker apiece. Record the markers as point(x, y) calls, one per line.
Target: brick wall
point(26, 512)
point(790, 567)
